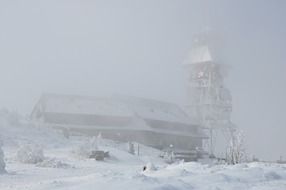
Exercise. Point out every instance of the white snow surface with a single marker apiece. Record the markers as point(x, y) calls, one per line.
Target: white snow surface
point(62, 169)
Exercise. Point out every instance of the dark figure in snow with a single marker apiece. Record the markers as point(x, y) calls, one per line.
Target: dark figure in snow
point(144, 168)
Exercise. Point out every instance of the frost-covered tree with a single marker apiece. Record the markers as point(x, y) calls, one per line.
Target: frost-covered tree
point(30, 154)
point(99, 140)
point(236, 149)
point(93, 143)
point(85, 150)
point(2, 162)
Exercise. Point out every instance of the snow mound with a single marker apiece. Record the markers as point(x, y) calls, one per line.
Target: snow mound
point(30, 154)
point(53, 163)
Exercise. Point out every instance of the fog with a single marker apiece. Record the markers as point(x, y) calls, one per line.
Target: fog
point(137, 48)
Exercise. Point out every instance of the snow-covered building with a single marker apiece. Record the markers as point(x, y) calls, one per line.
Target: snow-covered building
point(151, 122)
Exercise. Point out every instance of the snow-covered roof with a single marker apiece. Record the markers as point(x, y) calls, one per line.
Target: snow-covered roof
point(71, 104)
point(154, 109)
point(124, 106)
point(199, 54)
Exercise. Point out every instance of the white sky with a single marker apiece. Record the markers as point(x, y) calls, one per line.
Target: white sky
point(132, 47)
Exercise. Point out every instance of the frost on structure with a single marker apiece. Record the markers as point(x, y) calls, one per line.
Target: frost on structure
point(208, 98)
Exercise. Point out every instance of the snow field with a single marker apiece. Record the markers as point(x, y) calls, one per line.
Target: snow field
point(62, 167)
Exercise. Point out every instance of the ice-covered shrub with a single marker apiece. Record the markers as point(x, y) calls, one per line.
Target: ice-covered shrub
point(236, 150)
point(81, 151)
point(2, 162)
point(30, 154)
point(85, 149)
point(93, 143)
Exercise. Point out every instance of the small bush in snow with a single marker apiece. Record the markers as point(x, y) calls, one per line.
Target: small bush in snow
point(85, 150)
point(30, 154)
point(2, 162)
point(236, 150)
point(81, 151)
